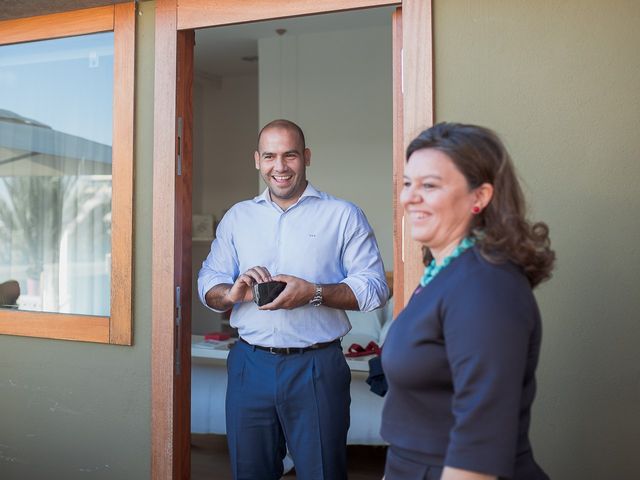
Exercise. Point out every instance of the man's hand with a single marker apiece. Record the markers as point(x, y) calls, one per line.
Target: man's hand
point(297, 293)
point(241, 290)
point(224, 296)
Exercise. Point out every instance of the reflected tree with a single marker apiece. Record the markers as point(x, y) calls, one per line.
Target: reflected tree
point(35, 213)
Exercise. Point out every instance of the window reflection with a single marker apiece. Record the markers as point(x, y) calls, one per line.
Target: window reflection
point(55, 173)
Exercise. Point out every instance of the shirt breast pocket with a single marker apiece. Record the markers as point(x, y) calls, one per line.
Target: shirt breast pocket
point(319, 254)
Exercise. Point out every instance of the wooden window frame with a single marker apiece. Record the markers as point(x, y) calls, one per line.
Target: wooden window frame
point(116, 328)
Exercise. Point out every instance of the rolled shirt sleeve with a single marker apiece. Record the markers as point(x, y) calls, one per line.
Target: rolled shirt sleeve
point(363, 265)
point(221, 265)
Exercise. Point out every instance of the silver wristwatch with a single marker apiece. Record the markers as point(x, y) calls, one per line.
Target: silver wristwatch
point(316, 301)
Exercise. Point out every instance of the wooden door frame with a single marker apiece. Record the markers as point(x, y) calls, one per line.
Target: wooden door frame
point(413, 108)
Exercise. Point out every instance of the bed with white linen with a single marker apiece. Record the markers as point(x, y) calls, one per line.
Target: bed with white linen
point(209, 380)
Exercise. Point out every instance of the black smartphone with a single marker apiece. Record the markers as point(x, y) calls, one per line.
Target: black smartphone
point(266, 292)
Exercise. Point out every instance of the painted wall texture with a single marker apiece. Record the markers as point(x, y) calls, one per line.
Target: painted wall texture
point(73, 410)
point(560, 82)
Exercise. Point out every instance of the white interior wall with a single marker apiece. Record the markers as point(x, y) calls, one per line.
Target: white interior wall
point(338, 87)
point(225, 111)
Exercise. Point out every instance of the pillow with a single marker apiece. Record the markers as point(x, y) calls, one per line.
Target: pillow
point(366, 323)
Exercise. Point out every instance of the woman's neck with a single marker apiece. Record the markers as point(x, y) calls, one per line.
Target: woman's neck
point(440, 253)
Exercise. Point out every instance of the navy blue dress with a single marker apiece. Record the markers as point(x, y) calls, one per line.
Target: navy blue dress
point(460, 361)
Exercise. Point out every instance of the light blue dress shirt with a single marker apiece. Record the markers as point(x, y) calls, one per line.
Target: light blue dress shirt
point(321, 239)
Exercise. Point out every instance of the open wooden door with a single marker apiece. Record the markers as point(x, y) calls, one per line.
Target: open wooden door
point(183, 273)
point(398, 164)
point(417, 114)
point(171, 336)
point(413, 111)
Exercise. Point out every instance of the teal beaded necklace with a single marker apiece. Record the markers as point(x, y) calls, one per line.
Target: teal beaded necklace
point(432, 269)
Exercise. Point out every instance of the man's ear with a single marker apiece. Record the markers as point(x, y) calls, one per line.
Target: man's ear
point(307, 157)
point(256, 158)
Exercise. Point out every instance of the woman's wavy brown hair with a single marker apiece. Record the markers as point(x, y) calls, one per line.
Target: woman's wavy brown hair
point(501, 230)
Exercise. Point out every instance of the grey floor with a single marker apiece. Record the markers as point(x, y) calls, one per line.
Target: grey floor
point(209, 460)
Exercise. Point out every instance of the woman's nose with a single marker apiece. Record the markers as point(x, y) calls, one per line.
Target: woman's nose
point(408, 195)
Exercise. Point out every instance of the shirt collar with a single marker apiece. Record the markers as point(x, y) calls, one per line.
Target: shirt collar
point(265, 197)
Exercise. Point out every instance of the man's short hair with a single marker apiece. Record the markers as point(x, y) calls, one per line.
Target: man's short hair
point(287, 125)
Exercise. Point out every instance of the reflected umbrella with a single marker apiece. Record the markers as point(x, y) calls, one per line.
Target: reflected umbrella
point(28, 147)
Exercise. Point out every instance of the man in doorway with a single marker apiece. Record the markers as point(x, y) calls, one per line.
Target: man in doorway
point(288, 381)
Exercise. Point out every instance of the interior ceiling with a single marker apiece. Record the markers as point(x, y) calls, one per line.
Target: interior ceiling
point(28, 8)
point(219, 50)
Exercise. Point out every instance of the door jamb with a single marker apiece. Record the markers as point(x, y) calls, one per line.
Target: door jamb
point(417, 113)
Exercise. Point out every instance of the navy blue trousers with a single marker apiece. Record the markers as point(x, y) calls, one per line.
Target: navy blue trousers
point(300, 401)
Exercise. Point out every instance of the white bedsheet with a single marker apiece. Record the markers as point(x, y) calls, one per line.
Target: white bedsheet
point(209, 383)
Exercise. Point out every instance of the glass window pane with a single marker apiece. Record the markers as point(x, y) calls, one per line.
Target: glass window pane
point(55, 174)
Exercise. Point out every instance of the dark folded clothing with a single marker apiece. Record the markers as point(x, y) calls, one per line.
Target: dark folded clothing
point(376, 380)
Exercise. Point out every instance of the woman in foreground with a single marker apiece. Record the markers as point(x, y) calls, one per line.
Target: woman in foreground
point(460, 359)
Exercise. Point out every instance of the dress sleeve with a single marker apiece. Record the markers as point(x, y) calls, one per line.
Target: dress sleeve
point(487, 325)
point(221, 265)
point(363, 265)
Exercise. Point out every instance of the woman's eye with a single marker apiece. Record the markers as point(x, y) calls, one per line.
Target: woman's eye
point(428, 185)
point(406, 184)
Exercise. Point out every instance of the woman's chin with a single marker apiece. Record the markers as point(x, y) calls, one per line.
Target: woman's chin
point(420, 237)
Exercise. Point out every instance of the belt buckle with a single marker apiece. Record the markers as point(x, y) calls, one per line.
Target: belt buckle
point(279, 350)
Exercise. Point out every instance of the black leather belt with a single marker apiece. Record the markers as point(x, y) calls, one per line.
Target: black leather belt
point(290, 350)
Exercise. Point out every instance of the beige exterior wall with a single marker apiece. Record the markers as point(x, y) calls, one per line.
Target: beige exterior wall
point(560, 81)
